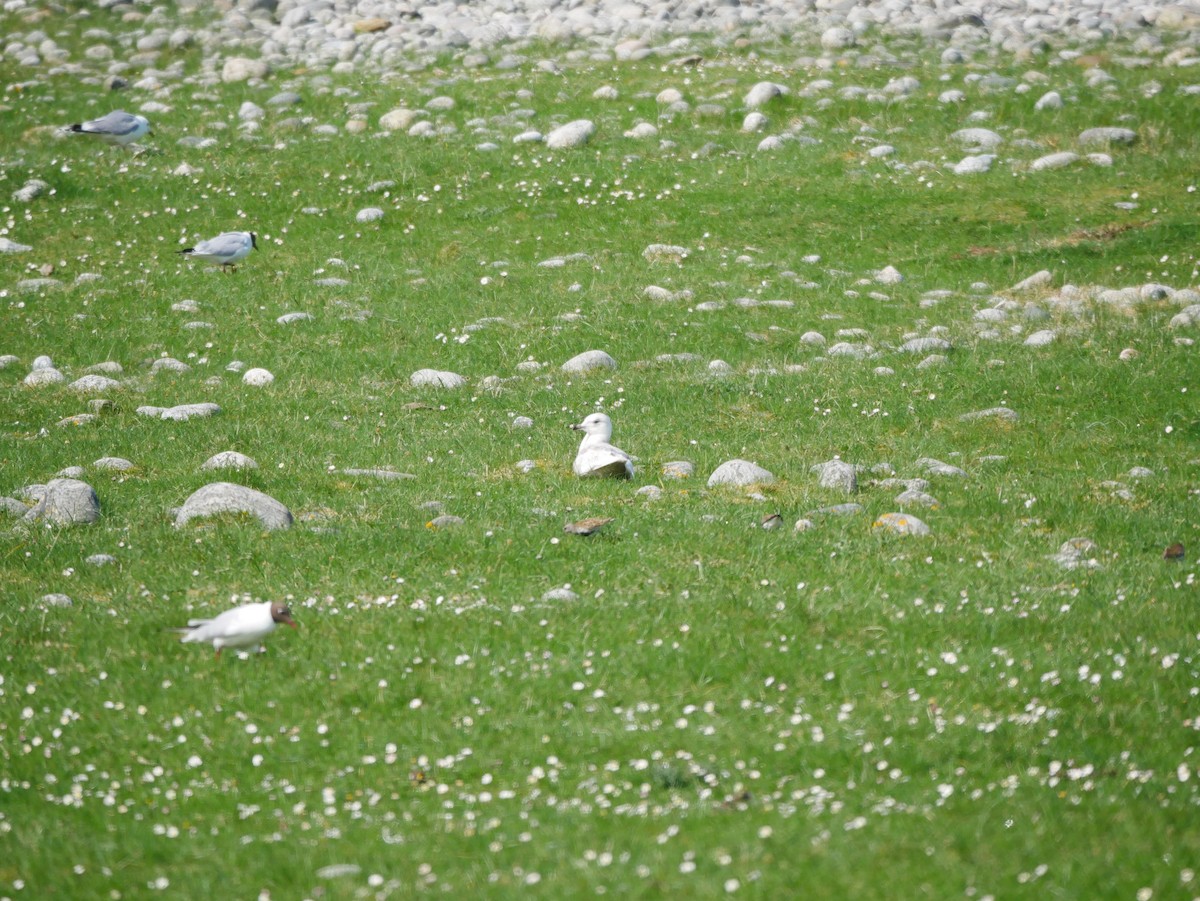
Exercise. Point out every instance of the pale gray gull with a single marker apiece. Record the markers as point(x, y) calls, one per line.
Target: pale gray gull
point(118, 127)
point(224, 250)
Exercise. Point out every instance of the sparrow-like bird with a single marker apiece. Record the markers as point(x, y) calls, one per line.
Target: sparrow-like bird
point(596, 456)
point(224, 250)
point(118, 127)
point(1174, 552)
point(589, 526)
point(240, 627)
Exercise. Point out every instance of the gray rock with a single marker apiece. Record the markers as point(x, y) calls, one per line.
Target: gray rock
point(1051, 100)
point(1105, 137)
point(113, 464)
point(838, 475)
point(973, 165)
point(241, 69)
point(100, 560)
point(838, 510)
point(10, 506)
point(56, 600)
point(925, 345)
point(754, 122)
point(1034, 282)
point(1059, 160)
point(763, 93)
point(664, 253)
point(369, 214)
point(1189, 315)
point(837, 37)
point(983, 138)
point(1077, 553)
point(938, 468)
point(220, 498)
point(1005, 414)
point(383, 474)
point(740, 472)
point(589, 361)
point(39, 377)
point(436, 378)
point(850, 349)
point(169, 364)
point(66, 502)
point(257, 377)
point(228, 460)
point(180, 413)
point(31, 190)
point(917, 498)
point(94, 382)
point(445, 521)
point(560, 594)
point(7, 245)
point(573, 134)
point(399, 119)
point(649, 492)
point(1041, 338)
point(289, 318)
point(31, 285)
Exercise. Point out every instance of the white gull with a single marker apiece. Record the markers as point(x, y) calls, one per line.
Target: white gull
point(596, 456)
point(240, 627)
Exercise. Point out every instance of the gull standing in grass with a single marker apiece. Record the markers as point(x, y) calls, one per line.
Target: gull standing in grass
point(240, 627)
point(118, 127)
point(596, 456)
point(224, 250)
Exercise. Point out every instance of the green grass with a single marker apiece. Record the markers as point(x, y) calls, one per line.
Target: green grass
point(722, 709)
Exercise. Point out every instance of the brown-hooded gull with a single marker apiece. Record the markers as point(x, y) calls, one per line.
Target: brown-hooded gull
point(224, 250)
point(118, 127)
point(240, 627)
point(596, 457)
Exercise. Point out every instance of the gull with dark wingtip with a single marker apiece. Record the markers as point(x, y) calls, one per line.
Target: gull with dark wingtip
point(118, 127)
point(224, 250)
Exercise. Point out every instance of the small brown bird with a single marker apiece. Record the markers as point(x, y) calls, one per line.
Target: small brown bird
point(589, 526)
point(1174, 552)
point(772, 521)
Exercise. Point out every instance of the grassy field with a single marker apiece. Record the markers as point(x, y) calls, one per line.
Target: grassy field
point(723, 709)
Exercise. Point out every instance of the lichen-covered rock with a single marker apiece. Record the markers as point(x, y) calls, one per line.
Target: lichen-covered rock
point(901, 524)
